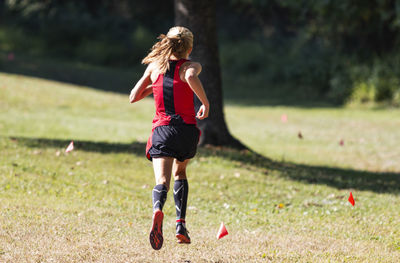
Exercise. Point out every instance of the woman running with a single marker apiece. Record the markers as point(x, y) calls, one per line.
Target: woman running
point(173, 80)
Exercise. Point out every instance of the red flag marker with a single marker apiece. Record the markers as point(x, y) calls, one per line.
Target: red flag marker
point(222, 231)
point(351, 199)
point(341, 143)
point(70, 147)
point(284, 118)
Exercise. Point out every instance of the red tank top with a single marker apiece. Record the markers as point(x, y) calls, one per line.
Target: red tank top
point(174, 99)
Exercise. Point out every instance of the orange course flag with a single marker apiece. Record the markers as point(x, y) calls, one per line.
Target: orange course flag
point(70, 147)
point(351, 199)
point(222, 231)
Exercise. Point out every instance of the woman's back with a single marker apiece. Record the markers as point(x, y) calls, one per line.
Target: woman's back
point(174, 99)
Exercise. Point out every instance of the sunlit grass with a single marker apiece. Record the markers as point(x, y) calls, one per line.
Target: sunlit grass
point(94, 204)
point(368, 136)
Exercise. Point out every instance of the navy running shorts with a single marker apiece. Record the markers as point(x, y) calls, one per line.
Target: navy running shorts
point(177, 141)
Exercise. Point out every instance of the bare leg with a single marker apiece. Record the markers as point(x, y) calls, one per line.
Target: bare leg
point(179, 169)
point(162, 170)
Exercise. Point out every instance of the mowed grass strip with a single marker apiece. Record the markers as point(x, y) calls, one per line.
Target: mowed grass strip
point(94, 204)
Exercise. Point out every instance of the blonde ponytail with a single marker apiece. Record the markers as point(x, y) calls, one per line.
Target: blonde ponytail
point(177, 42)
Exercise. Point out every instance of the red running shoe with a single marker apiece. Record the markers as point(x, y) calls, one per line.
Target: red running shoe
point(156, 235)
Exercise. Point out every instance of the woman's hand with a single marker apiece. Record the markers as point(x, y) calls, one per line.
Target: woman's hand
point(203, 112)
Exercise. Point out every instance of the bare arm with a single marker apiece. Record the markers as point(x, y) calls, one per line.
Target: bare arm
point(142, 88)
point(192, 78)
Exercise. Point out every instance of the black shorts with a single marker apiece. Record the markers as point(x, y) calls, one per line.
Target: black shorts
point(177, 141)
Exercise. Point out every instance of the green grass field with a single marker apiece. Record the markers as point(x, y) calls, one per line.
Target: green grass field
point(288, 203)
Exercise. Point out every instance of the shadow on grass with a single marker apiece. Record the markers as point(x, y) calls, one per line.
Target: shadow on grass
point(107, 79)
point(339, 178)
point(334, 177)
point(137, 148)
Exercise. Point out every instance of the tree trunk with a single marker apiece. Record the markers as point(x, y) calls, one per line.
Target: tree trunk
point(2, 10)
point(200, 18)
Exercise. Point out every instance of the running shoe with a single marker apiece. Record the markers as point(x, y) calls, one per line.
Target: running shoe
point(182, 234)
point(156, 235)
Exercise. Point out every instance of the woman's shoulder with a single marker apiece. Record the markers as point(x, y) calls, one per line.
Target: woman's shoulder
point(153, 71)
point(192, 64)
point(152, 67)
point(191, 67)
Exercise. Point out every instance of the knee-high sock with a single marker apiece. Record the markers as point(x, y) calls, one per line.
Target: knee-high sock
point(181, 190)
point(159, 196)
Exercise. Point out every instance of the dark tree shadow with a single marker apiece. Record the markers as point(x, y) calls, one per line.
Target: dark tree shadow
point(137, 148)
point(339, 178)
point(106, 79)
point(334, 177)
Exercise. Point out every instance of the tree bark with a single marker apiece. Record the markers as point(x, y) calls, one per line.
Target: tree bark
point(200, 18)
